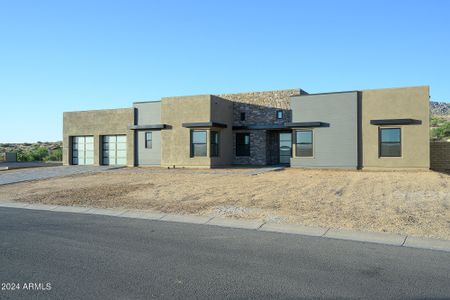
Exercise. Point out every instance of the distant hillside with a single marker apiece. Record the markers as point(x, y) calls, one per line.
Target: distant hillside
point(439, 108)
point(440, 121)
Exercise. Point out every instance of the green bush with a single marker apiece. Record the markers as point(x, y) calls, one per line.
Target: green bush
point(35, 154)
point(442, 132)
point(436, 121)
point(55, 155)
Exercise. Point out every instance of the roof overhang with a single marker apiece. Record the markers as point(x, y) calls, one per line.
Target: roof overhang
point(307, 124)
point(204, 125)
point(396, 122)
point(261, 127)
point(148, 126)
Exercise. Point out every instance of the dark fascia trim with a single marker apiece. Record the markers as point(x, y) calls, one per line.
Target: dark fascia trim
point(204, 124)
point(260, 127)
point(307, 124)
point(149, 126)
point(328, 93)
point(396, 122)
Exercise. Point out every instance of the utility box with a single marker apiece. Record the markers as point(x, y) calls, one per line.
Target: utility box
point(11, 156)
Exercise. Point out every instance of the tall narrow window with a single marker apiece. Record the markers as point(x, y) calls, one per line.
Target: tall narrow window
point(279, 114)
point(304, 143)
point(242, 116)
point(390, 142)
point(214, 143)
point(198, 143)
point(243, 144)
point(148, 140)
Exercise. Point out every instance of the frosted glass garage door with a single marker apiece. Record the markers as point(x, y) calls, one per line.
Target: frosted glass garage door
point(114, 150)
point(83, 150)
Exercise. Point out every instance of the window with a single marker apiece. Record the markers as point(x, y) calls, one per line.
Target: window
point(198, 143)
point(148, 140)
point(304, 143)
point(242, 116)
point(242, 144)
point(214, 143)
point(390, 142)
point(279, 114)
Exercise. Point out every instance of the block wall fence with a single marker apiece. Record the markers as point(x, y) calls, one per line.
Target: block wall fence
point(440, 155)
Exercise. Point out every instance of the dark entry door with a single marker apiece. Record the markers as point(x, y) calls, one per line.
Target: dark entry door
point(285, 147)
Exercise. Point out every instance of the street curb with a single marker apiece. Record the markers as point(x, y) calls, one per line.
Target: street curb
point(427, 243)
point(369, 237)
point(235, 223)
point(136, 214)
point(297, 229)
point(294, 229)
point(186, 219)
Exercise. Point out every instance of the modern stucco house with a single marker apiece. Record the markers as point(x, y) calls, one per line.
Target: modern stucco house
point(384, 128)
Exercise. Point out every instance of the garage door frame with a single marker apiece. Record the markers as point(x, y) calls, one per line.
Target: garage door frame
point(114, 150)
point(82, 145)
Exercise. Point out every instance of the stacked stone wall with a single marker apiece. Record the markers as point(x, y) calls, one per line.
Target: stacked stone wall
point(260, 109)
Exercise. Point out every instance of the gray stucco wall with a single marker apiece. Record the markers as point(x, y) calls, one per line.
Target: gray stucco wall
point(148, 157)
point(222, 112)
point(147, 113)
point(335, 146)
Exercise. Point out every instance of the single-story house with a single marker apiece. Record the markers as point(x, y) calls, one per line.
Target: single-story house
point(362, 129)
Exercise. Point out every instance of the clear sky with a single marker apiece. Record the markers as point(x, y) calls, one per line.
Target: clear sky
point(58, 56)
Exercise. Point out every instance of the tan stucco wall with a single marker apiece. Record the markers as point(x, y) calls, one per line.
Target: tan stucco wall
point(97, 123)
point(397, 103)
point(175, 142)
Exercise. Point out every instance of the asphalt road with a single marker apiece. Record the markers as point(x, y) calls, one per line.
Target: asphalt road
point(101, 257)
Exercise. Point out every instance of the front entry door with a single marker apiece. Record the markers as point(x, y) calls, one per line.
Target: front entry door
point(285, 147)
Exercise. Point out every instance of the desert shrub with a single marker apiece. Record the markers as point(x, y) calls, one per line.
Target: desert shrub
point(55, 155)
point(441, 132)
point(436, 121)
point(35, 154)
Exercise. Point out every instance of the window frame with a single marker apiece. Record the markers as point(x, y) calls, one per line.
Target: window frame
point(380, 129)
point(297, 143)
point(146, 139)
point(246, 151)
point(192, 152)
point(279, 115)
point(212, 142)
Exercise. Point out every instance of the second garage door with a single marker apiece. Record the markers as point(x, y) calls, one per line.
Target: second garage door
point(114, 150)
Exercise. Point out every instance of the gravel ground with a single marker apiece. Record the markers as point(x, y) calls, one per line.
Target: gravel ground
point(414, 203)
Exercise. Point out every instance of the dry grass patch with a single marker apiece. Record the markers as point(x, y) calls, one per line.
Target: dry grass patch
point(416, 203)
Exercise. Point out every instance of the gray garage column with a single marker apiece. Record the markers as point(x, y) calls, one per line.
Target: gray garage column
point(335, 141)
point(148, 153)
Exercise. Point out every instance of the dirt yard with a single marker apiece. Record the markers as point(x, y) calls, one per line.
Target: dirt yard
point(415, 203)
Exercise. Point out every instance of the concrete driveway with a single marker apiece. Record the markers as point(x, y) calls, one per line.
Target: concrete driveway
point(50, 172)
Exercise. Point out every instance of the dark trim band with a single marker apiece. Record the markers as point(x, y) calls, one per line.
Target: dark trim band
point(307, 124)
point(204, 124)
point(396, 122)
point(150, 126)
point(260, 127)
